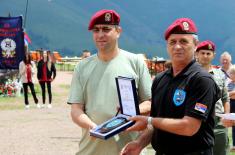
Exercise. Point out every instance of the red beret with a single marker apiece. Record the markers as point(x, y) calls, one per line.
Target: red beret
point(181, 26)
point(206, 45)
point(109, 17)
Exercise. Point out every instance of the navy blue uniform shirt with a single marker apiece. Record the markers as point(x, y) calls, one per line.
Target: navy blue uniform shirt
point(193, 93)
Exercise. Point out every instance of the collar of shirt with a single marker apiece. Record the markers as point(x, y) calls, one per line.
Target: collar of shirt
point(186, 71)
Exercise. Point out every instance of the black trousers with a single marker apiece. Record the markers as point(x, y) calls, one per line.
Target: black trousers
point(43, 87)
point(204, 152)
point(31, 86)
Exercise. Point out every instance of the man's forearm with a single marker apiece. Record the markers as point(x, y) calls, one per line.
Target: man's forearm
point(232, 95)
point(226, 107)
point(145, 107)
point(84, 121)
point(145, 138)
point(81, 119)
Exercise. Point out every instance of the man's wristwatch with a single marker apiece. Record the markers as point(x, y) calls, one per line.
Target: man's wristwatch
point(149, 120)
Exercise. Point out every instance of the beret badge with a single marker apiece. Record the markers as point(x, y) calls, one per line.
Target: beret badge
point(186, 26)
point(107, 17)
point(210, 47)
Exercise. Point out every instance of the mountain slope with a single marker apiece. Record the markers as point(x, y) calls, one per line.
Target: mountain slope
point(62, 25)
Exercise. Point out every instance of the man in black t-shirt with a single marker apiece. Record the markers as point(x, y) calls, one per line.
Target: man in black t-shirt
point(183, 101)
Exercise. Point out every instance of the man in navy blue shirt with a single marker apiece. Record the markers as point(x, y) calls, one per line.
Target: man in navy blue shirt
point(183, 101)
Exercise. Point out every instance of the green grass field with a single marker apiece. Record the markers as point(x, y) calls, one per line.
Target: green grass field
point(11, 103)
point(17, 102)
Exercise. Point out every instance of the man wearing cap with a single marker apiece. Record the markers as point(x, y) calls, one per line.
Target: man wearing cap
point(93, 93)
point(206, 53)
point(183, 100)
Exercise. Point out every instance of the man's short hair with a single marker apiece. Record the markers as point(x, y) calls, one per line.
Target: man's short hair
point(226, 54)
point(86, 51)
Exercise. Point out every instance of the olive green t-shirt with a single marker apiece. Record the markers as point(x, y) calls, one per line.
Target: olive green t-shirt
point(93, 85)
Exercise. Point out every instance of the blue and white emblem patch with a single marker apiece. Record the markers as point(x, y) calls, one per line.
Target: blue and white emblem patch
point(179, 97)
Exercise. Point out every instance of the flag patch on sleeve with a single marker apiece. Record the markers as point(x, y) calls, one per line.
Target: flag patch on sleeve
point(200, 107)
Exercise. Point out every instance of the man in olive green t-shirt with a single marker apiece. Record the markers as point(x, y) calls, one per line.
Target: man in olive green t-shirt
point(93, 94)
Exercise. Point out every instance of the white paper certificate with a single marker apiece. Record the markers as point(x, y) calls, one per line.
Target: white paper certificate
point(229, 116)
point(127, 97)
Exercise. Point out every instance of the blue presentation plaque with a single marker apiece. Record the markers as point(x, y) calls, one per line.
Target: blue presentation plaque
point(129, 106)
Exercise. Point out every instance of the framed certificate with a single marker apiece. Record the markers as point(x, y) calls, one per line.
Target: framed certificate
point(129, 106)
point(127, 95)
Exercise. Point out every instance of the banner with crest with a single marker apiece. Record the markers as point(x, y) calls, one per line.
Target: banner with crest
point(11, 42)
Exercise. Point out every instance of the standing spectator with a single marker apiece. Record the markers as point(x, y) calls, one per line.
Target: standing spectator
point(26, 70)
point(93, 94)
point(183, 101)
point(231, 89)
point(144, 57)
point(85, 54)
point(205, 54)
point(46, 74)
point(226, 63)
point(168, 64)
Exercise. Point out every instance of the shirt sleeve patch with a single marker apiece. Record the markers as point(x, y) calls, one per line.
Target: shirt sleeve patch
point(200, 107)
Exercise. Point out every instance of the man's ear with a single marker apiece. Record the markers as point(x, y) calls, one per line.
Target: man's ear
point(119, 30)
point(196, 42)
point(214, 55)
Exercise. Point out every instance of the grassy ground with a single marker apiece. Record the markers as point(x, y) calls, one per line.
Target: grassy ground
point(10, 103)
point(14, 103)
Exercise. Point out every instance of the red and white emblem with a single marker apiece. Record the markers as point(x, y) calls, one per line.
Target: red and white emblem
point(8, 48)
